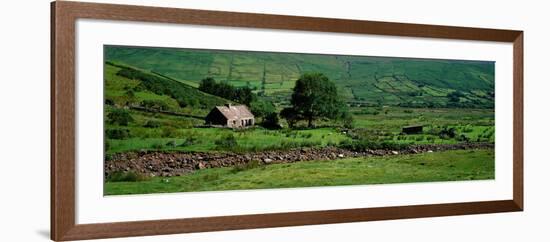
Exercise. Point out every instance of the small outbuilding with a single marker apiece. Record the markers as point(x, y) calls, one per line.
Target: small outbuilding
point(412, 129)
point(231, 116)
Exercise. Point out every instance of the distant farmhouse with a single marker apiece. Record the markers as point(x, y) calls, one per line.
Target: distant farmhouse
point(231, 116)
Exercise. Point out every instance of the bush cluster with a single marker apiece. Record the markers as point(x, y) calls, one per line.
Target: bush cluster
point(117, 133)
point(226, 142)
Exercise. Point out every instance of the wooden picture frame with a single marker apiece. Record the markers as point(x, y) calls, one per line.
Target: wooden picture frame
point(63, 18)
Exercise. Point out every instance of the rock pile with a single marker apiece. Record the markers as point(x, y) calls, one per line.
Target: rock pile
point(178, 163)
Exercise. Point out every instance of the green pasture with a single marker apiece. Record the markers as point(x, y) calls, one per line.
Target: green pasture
point(178, 133)
point(428, 167)
point(372, 80)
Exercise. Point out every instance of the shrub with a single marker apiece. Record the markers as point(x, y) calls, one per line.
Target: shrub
point(152, 124)
point(120, 116)
point(226, 142)
point(127, 176)
point(348, 121)
point(170, 132)
point(108, 157)
point(117, 133)
point(463, 138)
point(158, 105)
point(447, 133)
point(271, 121)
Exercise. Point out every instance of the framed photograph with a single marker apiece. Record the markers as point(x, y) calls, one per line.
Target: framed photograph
point(172, 120)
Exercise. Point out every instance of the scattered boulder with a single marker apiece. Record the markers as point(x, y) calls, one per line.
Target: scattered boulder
point(180, 163)
point(200, 165)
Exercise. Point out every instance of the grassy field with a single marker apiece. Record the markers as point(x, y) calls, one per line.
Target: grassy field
point(178, 133)
point(365, 80)
point(427, 167)
point(153, 103)
point(247, 140)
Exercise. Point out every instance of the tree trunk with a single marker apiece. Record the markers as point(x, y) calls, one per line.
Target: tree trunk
point(310, 122)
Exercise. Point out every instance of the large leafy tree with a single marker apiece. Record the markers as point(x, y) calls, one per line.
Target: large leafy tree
point(314, 97)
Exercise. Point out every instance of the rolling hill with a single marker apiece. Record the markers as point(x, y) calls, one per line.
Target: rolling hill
point(126, 85)
point(362, 80)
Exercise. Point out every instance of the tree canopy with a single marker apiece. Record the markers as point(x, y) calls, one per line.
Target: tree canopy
point(242, 95)
point(314, 96)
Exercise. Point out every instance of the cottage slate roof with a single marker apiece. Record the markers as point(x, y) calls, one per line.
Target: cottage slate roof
point(235, 111)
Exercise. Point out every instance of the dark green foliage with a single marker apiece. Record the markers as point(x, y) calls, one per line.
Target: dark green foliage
point(226, 142)
point(271, 121)
point(348, 120)
point(383, 80)
point(127, 176)
point(188, 102)
point(119, 116)
point(455, 96)
point(291, 116)
point(130, 94)
point(152, 124)
point(109, 102)
point(315, 96)
point(242, 95)
point(117, 133)
point(184, 94)
point(170, 132)
point(157, 105)
point(447, 132)
point(463, 138)
point(261, 108)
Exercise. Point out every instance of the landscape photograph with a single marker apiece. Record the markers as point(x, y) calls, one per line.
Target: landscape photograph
point(196, 120)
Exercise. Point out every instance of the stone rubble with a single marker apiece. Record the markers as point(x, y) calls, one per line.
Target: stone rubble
point(154, 163)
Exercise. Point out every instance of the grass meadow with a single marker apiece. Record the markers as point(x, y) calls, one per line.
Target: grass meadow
point(428, 167)
point(153, 102)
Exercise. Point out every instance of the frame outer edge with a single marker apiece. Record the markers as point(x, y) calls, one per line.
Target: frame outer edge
point(53, 215)
point(63, 179)
point(518, 153)
point(62, 121)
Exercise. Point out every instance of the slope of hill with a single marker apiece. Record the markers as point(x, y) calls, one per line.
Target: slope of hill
point(126, 85)
point(362, 80)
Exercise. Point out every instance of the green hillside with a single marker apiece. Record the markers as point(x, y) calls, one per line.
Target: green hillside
point(128, 86)
point(362, 80)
